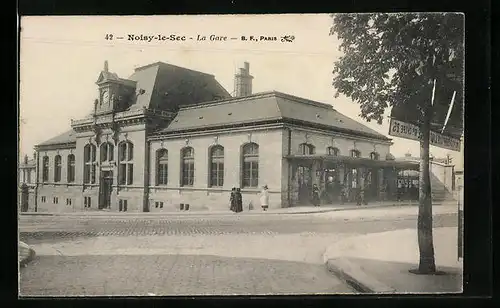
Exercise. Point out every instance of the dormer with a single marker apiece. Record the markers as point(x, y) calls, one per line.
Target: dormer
point(115, 93)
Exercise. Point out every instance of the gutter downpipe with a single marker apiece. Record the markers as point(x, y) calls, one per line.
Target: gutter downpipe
point(145, 205)
point(36, 179)
point(289, 150)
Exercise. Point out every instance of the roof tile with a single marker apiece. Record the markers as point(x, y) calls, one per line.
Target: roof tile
point(264, 106)
point(66, 137)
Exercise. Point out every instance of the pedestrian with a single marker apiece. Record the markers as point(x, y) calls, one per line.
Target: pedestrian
point(238, 201)
point(264, 198)
point(399, 190)
point(232, 200)
point(315, 195)
point(342, 193)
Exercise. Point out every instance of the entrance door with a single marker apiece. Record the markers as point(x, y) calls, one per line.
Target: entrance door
point(372, 184)
point(305, 184)
point(105, 188)
point(332, 185)
point(351, 183)
point(24, 198)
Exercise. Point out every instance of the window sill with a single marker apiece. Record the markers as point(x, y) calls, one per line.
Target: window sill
point(208, 189)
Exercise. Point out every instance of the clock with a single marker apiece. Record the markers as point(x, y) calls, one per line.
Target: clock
point(105, 96)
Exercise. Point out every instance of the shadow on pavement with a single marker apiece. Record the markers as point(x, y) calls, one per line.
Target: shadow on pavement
point(397, 276)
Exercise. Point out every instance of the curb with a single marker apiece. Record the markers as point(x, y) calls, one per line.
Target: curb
point(26, 254)
point(354, 207)
point(354, 276)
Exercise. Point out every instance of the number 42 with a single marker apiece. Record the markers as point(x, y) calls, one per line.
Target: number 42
point(109, 37)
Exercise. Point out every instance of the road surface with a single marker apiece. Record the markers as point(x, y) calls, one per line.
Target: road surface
point(192, 255)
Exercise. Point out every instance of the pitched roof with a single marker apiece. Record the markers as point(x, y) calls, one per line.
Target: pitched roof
point(264, 107)
point(167, 86)
point(66, 137)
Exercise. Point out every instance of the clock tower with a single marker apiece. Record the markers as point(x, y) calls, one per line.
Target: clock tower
point(114, 92)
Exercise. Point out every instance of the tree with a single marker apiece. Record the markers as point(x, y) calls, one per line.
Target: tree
point(396, 60)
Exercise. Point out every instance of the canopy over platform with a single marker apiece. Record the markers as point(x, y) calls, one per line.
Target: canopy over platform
point(366, 162)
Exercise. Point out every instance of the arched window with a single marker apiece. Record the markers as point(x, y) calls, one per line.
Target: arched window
point(306, 149)
point(57, 168)
point(217, 166)
point(374, 156)
point(250, 165)
point(107, 152)
point(187, 166)
point(332, 151)
point(126, 165)
point(89, 169)
point(355, 153)
point(45, 169)
point(71, 168)
point(161, 167)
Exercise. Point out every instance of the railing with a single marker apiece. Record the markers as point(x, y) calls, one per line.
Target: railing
point(121, 115)
point(161, 112)
point(87, 120)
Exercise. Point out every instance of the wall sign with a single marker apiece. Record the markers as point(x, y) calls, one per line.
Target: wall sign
point(412, 132)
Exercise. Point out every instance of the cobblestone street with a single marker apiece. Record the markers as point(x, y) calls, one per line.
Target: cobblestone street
point(217, 255)
point(34, 230)
point(174, 275)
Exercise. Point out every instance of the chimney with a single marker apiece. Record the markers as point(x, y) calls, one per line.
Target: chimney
point(106, 66)
point(243, 81)
point(25, 159)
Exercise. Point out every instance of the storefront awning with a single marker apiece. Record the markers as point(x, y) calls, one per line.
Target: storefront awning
point(356, 161)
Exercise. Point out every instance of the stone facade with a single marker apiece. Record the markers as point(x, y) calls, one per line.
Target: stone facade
point(277, 124)
point(201, 194)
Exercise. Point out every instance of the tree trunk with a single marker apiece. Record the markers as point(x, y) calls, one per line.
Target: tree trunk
point(425, 242)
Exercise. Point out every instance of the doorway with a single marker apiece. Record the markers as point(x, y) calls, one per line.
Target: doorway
point(332, 185)
point(105, 188)
point(24, 198)
point(372, 184)
point(304, 179)
point(351, 183)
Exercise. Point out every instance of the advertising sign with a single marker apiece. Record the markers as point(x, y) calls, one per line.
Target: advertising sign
point(410, 131)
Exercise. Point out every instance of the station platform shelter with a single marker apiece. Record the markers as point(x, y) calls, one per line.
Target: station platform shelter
point(341, 178)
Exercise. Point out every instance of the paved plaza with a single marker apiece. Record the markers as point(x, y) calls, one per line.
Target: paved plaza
point(144, 275)
point(195, 255)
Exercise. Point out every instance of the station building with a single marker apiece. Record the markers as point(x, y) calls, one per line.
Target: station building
point(168, 135)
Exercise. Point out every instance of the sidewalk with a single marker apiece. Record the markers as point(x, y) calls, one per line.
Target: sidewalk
point(289, 210)
point(25, 254)
point(380, 262)
point(378, 213)
point(301, 247)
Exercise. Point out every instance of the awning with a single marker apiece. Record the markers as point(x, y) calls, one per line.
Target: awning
point(357, 161)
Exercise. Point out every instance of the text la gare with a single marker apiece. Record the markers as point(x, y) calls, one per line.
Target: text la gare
point(211, 38)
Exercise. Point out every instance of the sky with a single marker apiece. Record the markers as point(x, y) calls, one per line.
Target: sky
point(61, 58)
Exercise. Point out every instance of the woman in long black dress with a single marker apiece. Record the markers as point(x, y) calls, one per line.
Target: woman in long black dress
point(316, 195)
point(239, 201)
point(232, 200)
